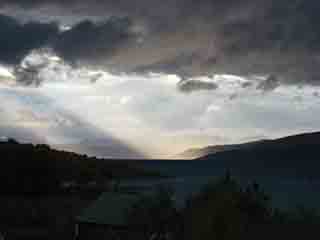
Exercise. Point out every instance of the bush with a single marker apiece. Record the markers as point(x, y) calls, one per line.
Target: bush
point(156, 213)
point(223, 210)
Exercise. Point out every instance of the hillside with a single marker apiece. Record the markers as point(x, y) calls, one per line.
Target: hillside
point(27, 168)
point(294, 155)
point(194, 153)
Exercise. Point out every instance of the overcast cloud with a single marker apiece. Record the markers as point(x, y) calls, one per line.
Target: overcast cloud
point(180, 36)
point(189, 72)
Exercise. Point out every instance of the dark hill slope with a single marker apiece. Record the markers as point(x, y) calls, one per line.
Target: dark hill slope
point(194, 153)
point(295, 156)
point(27, 168)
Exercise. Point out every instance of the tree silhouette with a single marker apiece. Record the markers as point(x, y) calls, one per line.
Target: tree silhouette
point(157, 214)
point(223, 210)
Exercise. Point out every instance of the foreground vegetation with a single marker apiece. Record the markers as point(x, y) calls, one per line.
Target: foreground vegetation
point(223, 210)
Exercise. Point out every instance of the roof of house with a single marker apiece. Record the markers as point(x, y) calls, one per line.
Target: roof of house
point(110, 209)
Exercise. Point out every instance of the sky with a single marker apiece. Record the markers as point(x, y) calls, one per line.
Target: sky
point(149, 78)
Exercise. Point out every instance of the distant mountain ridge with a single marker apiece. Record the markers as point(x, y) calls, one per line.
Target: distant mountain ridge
point(304, 138)
point(293, 157)
point(195, 153)
point(296, 155)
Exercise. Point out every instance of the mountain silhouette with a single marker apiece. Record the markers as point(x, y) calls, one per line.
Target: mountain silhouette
point(194, 153)
point(296, 156)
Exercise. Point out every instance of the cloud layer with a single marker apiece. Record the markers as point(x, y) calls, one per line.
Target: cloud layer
point(17, 40)
point(93, 42)
point(185, 37)
point(190, 72)
point(147, 113)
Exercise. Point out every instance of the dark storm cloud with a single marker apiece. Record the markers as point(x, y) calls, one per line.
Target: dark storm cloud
point(28, 76)
point(95, 77)
point(233, 96)
point(93, 42)
point(200, 37)
point(27, 72)
point(32, 3)
point(17, 40)
point(246, 84)
point(270, 84)
point(86, 42)
point(188, 86)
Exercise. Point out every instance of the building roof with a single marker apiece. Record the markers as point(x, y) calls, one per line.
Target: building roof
point(110, 209)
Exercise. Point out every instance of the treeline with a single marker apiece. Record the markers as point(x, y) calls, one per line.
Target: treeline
point(27, 168)
point(222, 210)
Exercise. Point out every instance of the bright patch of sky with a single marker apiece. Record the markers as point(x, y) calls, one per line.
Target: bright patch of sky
point(148, 111)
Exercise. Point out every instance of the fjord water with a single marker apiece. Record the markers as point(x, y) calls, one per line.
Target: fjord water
point(188, 177)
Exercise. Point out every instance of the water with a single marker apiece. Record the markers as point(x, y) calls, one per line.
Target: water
point(285, 194)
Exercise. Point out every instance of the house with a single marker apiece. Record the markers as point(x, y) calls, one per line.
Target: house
point(106, 218)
